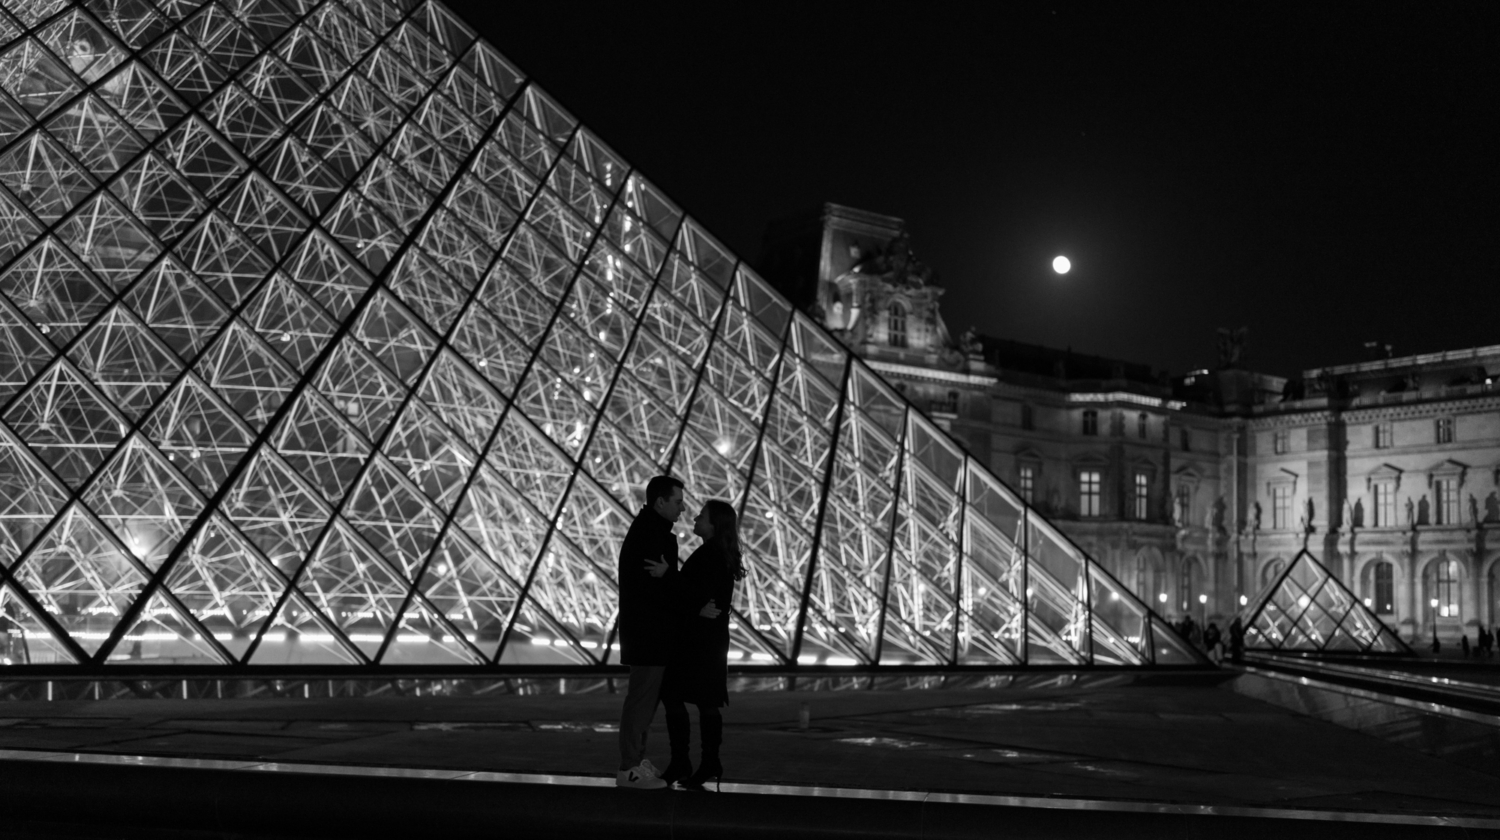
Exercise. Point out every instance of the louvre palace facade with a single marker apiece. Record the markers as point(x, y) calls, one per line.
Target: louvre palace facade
point(330, 341)
point(1196, 491)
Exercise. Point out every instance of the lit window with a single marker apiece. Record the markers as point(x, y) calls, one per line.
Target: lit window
point(1280, 442)
point(896, 325)
point(1140, 426)
point(1281, 506)
point(1383, 494)
point(1090, 422)
point(1184, 506)
point(1445, 495)
point(1142, 495)
point(1385, 589)
point(1447, 588)
point(1444, 428)
point(1384, 435)
point(1089, 483)
point(1028, 483)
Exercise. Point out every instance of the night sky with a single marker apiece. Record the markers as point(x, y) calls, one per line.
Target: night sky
point(1323, 174)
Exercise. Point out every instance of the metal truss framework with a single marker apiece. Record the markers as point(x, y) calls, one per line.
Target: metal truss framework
point(1308, 609)
point(327, 338)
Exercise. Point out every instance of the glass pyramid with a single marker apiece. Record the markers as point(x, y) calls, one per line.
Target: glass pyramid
point(1308, 609)
point(330, 339)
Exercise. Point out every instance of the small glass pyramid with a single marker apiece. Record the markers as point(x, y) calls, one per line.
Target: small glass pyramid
point(330, 339)
point(1308, 609)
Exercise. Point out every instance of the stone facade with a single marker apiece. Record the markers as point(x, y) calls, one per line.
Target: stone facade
point(1194, 490)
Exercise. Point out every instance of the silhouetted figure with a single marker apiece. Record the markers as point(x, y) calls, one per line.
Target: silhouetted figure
point(648, 581)
point(1463, 643)
point(697, 672)
point(1211, 640)
point(1236, 640)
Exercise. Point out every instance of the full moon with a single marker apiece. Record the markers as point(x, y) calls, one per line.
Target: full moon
point(1061, 265)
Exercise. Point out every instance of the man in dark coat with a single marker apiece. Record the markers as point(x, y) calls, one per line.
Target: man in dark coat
point(648, 577)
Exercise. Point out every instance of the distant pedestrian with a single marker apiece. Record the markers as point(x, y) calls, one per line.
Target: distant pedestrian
point(1463, 642)
point(1236, 640)
point(1211, 640)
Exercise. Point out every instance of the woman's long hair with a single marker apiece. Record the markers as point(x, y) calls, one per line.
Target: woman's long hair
point(726, 524)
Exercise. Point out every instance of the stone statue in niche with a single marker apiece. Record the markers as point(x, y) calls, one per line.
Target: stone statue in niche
point(1216, 515)
point(1492, 507)
point(1308, 512)
point(1255, 516)
point(1424, 511)
point(1411, 513)
point(1357, 514)
point(1473, 509)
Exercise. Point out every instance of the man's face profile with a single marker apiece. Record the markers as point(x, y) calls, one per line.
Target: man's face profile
point(670, 506)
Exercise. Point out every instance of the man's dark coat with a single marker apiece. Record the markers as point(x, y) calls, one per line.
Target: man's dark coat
point(647, 617)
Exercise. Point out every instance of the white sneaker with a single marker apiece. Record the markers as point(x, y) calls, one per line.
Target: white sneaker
point(640, 777)
point(650, 768)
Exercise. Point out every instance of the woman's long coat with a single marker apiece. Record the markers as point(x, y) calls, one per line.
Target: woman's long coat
point(697, 672)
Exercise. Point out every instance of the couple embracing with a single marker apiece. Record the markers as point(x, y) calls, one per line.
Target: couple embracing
point(674, 634)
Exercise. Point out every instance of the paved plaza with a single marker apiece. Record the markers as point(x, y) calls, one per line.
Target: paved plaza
point(1178, 740)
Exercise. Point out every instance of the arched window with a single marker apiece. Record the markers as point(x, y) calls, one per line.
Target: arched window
point(1150, 580)
point(1190, 585)
point(1380, 587)
point(896, 325)
point(1442, 595)
point(1447, 588)
point(1494, 592)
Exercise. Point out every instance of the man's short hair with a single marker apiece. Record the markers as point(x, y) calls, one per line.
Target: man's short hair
point(660, 488)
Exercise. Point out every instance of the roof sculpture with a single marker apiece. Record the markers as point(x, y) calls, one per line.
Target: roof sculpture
point(1307, 609)
point(327, 338)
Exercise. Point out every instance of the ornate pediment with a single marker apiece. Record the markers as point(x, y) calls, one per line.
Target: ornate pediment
point(1187, 475)
point(1384, 472)
point(1088, 460)
point(1447, 468)
point(1028, 454)
point(1281, 478)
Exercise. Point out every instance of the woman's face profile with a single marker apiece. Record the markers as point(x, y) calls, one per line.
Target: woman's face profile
point(701, 526)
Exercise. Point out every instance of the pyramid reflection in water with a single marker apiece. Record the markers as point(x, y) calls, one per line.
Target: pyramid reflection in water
point(1308, 609)
point(328, 338)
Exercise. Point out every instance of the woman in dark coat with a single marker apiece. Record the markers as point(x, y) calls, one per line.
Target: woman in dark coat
point(697, 672)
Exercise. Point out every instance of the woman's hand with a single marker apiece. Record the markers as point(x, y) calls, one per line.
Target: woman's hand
point(709, 611)
point(657, 568)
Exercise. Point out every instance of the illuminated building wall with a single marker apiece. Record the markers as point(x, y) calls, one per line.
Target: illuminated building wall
point(1197, 492)
point(330, 339)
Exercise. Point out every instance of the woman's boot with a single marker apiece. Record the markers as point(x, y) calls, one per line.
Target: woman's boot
point(709, 766)
point(679, 733)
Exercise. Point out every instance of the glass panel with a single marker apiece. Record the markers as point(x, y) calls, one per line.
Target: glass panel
point(266, 260)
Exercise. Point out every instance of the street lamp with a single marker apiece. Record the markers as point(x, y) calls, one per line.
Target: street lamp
point(1435, 646)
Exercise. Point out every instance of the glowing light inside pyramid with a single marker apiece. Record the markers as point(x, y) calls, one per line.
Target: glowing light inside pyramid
point(1308, 609)
point(329, 339)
